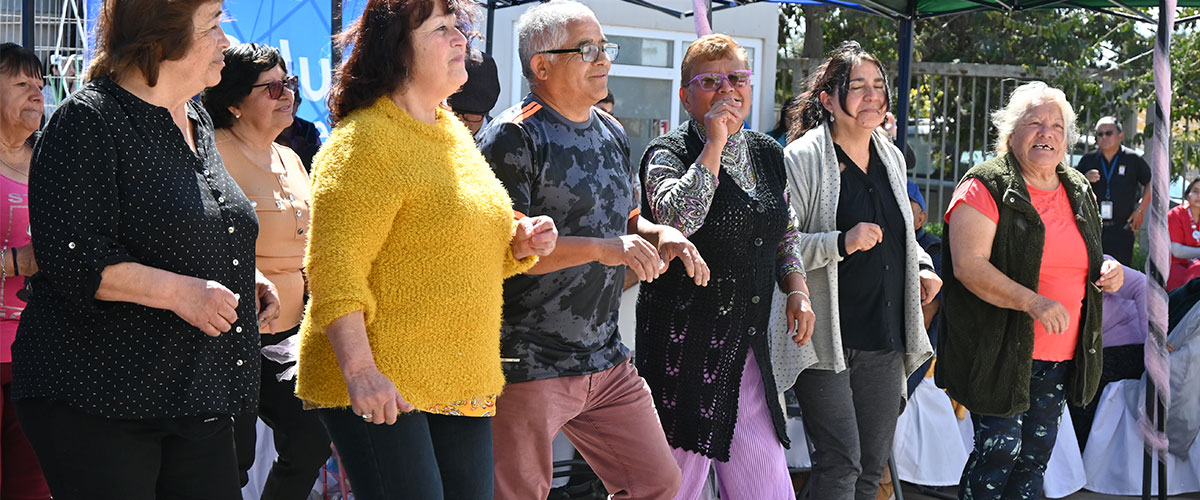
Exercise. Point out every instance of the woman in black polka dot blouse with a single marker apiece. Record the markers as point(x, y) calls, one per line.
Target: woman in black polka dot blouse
point(140, 340)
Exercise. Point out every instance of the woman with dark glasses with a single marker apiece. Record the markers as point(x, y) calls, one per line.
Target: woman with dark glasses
point(704, 350)
point(250, 107)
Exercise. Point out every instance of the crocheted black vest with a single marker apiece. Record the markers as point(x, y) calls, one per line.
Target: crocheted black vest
point(692, 340)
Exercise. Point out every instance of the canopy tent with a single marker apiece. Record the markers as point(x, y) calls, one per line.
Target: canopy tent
point(906, 13)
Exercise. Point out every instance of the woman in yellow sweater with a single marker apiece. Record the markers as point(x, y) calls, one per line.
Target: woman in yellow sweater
point(410, 241)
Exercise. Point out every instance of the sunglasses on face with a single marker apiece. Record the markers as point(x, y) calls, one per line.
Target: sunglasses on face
point(275, 88)
point(712, 81)
point(590, 52)
point(1106, 133)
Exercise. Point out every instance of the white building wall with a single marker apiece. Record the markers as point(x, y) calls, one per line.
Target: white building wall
point(755, 26)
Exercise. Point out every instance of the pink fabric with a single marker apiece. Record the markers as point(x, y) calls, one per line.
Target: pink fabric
point(757, 468)
point(1158, 364)
point(700, 18)
point(1064, 267)
point(14, 232)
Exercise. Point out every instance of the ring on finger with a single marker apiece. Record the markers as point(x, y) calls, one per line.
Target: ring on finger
point(367, 416)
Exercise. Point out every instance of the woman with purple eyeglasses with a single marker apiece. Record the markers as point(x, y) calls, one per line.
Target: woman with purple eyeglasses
point(704, 350)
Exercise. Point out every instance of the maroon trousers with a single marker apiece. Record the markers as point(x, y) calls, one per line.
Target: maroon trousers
point(610, 418)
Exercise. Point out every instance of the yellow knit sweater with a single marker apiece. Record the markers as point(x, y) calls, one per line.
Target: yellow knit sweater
point(409, 225)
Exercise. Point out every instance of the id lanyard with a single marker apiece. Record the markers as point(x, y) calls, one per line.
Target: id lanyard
point(1108, 172)
point(1195, 230)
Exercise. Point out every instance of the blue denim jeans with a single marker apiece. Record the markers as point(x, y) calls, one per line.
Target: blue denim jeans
point(422, 455)
point(1010, 456)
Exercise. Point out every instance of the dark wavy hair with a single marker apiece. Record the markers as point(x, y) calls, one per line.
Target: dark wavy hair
point(381, 53)
point(16, 60)
point(833, 78)
point(244, 63)
point(1195, 180)
point(142, 34)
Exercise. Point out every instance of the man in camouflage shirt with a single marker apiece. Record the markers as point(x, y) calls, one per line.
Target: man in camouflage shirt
point(563, 357)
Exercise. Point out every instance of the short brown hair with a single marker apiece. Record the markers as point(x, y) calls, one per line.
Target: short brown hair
point(707, 48)
point(381, 59)
point(142, 34)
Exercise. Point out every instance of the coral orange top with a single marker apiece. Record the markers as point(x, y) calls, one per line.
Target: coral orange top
point(1063, 275)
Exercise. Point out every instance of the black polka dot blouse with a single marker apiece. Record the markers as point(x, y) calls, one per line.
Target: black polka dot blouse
point(113, 181)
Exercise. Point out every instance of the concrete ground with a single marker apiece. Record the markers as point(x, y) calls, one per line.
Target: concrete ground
point(911, 493)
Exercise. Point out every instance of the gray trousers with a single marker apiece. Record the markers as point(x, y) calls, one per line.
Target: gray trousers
point(851, 419)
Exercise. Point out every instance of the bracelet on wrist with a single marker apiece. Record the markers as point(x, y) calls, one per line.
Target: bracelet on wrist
point(798, 292)
point(16, 270)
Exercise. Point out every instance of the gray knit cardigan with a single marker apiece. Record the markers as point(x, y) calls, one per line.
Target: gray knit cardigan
point(814, 181)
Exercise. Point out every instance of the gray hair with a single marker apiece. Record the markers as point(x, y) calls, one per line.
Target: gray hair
point(1024, 98)
point(1109, 120)
point(544, 27)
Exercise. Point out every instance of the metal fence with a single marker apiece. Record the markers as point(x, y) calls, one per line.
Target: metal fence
point(950, 130)
point(59, 36)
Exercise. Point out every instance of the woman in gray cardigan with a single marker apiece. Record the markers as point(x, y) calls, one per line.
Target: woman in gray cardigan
point(867, 275)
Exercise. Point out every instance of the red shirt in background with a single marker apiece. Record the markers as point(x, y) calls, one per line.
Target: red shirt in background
point(1179, 224)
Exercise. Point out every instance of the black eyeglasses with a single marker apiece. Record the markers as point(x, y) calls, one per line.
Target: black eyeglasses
point(469, 117)
point(1107, 133)
point(590, 52)
point(275, 88)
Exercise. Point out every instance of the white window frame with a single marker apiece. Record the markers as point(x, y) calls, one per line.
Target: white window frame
point(679, 40)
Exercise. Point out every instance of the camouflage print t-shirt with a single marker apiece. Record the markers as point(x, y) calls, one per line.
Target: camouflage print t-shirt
point(563, 323)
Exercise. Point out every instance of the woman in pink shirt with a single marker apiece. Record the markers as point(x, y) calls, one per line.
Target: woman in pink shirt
point(20, 116)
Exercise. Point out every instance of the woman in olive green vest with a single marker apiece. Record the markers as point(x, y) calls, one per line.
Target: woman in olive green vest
point(1023, 276)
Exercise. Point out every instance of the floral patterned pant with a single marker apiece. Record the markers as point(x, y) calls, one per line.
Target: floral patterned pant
point(1010, 455)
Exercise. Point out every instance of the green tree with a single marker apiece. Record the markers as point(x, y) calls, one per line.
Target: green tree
point(1102, 62)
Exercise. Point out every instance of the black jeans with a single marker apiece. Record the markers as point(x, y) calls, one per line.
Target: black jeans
point(422, 455)
point(300, 439)
point(88, 457)
point(850, 416)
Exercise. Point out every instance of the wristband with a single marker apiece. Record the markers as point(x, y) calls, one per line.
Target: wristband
point(798, 292)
